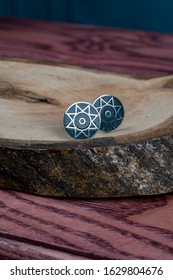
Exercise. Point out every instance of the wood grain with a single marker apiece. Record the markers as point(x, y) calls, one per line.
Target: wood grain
point(34, 98)
point(106, 229)
point(20, 249)
point(133, 228)
point(145, 54)
point(42, 156)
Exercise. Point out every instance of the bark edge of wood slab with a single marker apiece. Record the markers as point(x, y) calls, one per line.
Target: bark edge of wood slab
point(38, 157)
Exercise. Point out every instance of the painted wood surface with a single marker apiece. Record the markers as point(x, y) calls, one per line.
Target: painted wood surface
point(133, 228)
point(138, 228)
point(140, 53)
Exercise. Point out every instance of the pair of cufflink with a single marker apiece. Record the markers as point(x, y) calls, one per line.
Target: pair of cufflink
point(82, 120)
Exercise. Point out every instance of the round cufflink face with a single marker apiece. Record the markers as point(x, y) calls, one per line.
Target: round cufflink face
point(111, 111)
point(82, 120)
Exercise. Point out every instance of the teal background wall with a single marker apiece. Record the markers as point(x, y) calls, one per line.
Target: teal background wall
point(155, 15)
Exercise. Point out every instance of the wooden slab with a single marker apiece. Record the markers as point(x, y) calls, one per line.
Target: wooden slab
point(34, 142)
point(34, 98)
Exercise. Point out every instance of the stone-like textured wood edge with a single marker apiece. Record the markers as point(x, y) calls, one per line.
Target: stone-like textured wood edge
point(93, 168)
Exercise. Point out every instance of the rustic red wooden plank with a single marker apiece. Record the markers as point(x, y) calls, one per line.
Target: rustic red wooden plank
point(21, 250)
point(136, 228)
point(123, 51)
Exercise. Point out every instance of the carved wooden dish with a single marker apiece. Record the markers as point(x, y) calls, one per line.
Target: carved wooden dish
point(37, 155)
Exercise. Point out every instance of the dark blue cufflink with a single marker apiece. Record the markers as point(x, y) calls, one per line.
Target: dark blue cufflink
point(111, 112)
point(82, 120)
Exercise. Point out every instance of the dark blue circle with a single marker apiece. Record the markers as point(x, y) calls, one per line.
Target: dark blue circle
point(111, 111)
point(82, 120)
point(107, 113)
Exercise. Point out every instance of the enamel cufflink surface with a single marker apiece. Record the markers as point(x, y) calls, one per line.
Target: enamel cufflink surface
point(82, 120)
point(111, 112)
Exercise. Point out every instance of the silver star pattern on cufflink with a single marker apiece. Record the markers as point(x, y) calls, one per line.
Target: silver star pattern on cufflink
point(82, 120)
point(111, 111)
